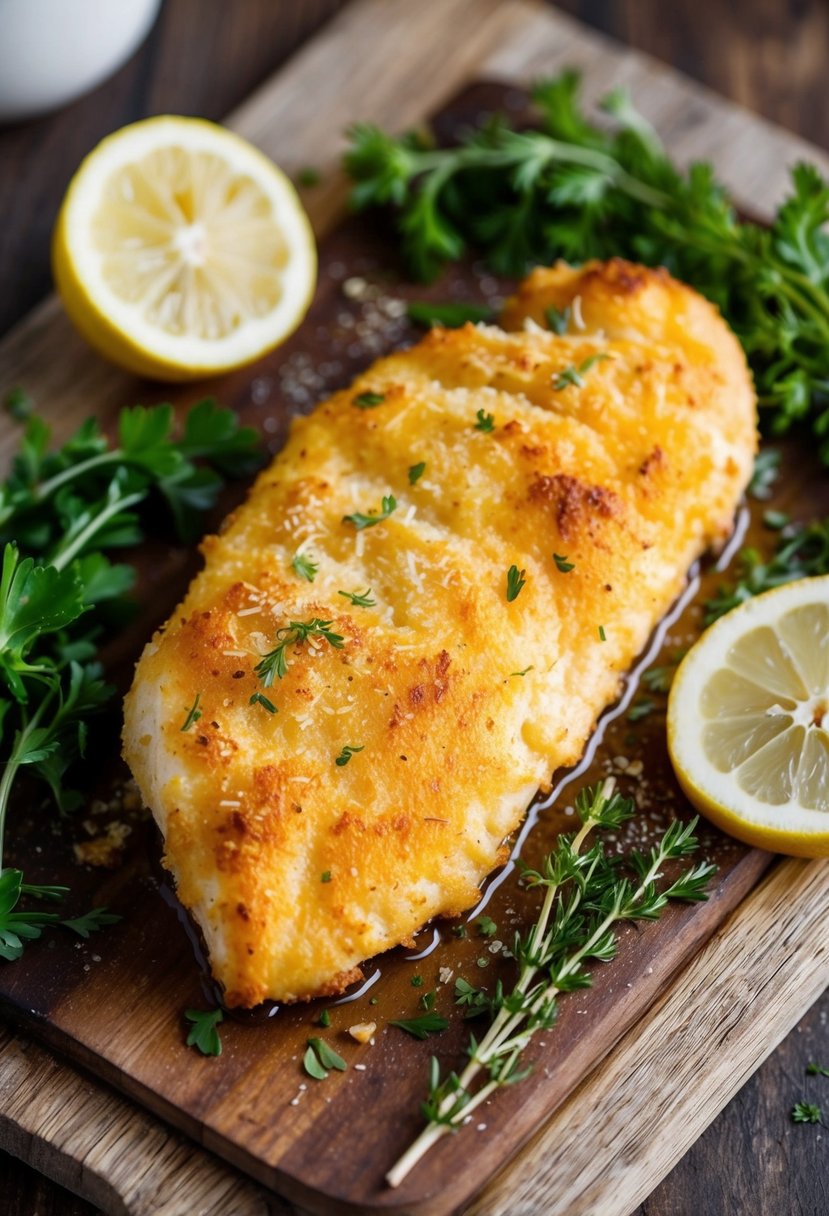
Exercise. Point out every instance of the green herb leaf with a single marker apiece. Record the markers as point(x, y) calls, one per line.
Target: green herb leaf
point(346, 754)
point(802, 551)
point(204, 1034)
point(274, 664)
point(312, 1066)
point(416, 981)
point(361, 521)
point(92, 921)
point(516, 581)
point(259, 698)
point(806, 1112)
point(486, 422)
point(562, 564)
point(327, 1056)
point(816, 1070)
point(416, 471)
point(602, 634)
point(522, 673)
point(641, 710)
point(304, 567)
point(486, 926)
point(325, 876)
point(427, 1001)
point(766, 472)
point(558, 320)
point(574, 375)
point(359, 600)
point(424, 1025)
point(192, 714)
point(325, 1019)
point(368, 401)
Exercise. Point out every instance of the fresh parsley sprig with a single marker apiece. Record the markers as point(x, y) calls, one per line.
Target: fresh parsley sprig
point(361, 521)
point(587, 895)
point(577, 190)
point(60, 510)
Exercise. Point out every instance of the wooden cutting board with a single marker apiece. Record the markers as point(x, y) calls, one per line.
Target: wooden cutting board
point(114, 1006)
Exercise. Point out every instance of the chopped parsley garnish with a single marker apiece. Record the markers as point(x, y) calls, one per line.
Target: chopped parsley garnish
point(259, 699)
point(427, 1001)
point(460, 931)
point(416, 471)
point(361, 521)
point(326, 1055)
point(486, 422)
point(482, 962)
point(659, 679)
point(802, 551)
point(486, 926)
point(369, 401)
point(275, 662)
point(450, 316)
point(193, 714)
point(641, 710)
point(304, 567)
point(204, 1033)
point(359, 599)
point(766, 471)
point(602, 634)
point(562, 564)
point(558, 319)
point(346, 754)
point(575, 374)
point(325, 876)
point(416, 981)
point(91, 922)
point(424, 1025)
point(515, 583)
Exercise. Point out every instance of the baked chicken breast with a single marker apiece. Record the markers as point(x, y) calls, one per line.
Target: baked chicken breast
point(386, 656)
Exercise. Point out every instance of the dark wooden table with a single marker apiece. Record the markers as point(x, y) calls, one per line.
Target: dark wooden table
point(204, 58)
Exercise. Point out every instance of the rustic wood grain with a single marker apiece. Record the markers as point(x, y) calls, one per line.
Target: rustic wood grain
point(516, 52)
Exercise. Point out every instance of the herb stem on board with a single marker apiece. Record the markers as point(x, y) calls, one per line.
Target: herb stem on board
point(587, 894)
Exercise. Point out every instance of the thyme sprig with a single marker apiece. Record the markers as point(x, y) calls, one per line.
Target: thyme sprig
point(274, 663)
point(587, 895)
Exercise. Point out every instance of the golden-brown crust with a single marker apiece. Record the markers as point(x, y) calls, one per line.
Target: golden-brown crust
point(298, 869)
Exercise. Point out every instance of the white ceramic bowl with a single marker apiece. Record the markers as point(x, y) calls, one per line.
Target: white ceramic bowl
point(51, 51)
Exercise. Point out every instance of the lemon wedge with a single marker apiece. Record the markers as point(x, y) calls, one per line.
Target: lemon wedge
point(748, 720)
point(181, 251)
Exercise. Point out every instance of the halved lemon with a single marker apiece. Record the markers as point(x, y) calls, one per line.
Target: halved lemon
point(748, 720)
point(181, 251)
